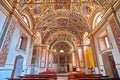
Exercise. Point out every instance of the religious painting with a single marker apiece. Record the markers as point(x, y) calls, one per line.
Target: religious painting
point(68, 58)
point(116, 31)
point(43, 57)
point(62, 58)
point(50, 59)
point(86, 9)
point(60, 4)
point(36, 10)
point(62, 22)
point(55, 58)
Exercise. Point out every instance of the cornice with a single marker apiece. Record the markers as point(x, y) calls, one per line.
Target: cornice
point(117, 5)
point(6, 5)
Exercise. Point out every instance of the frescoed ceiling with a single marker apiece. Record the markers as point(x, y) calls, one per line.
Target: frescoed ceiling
point(61, 22)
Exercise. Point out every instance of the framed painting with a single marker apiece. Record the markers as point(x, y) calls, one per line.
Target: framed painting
point(55, 58)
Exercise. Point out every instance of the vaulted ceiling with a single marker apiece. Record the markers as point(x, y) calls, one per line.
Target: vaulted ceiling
point(61, 23)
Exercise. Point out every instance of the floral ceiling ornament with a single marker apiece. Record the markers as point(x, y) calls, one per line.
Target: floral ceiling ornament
point(36, 10)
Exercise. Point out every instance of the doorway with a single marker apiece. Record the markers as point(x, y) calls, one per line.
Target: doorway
point(18, 65)
point(68, 69)
point(113, 66)
point(109, 65)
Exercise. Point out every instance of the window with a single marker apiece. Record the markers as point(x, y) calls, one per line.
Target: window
point(2, 21)
point(25, 19)
point(99, 18)
point(107, 41)
point(23, 43)
point(104, 41)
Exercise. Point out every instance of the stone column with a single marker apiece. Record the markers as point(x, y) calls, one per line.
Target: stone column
point(73, 59)
point(77, 59)
point(37, 58)
point(84, 61)
point(44, 56)
point(80, 54)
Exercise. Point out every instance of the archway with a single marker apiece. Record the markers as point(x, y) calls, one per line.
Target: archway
point(109, 64)
point(18, 65)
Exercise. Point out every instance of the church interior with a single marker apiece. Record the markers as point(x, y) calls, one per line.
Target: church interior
point(59, 39)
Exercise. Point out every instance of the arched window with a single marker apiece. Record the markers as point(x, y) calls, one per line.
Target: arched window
point(99, 18)
point(25, 19)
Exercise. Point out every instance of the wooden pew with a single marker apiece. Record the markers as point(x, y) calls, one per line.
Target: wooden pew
point(27, 79)
point(50, 76)
point(40, 76)
point(71, 75)
point(88, 76)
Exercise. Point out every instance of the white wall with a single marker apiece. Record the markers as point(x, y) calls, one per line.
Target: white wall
point(14, 51)
point(114, 49)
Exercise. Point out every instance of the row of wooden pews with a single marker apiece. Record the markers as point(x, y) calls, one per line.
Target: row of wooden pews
point(83, 76)
point(40, 76)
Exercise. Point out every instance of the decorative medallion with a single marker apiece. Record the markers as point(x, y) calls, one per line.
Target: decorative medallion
point(62, 22)
point(36, 10)
point(86, 9)
point(102, 1)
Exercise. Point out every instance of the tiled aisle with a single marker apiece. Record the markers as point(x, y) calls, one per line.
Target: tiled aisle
point(62, 78)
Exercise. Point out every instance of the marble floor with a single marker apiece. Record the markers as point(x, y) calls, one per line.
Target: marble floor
point(62, 76)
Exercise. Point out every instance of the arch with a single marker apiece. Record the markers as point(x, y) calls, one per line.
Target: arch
point(109, 64)
point(63, 13)
point(56, 31)
point(65, 32)
point(72, 47)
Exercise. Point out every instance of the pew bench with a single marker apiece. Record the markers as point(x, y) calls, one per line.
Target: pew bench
point(28, 79)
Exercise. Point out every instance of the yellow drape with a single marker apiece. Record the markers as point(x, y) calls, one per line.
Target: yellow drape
point(89, 57)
